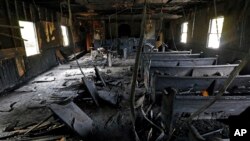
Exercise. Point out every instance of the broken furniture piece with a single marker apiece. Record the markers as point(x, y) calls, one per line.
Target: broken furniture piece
point(108, 96)
point(91, 88)
point(98, 75)
point(74, 117)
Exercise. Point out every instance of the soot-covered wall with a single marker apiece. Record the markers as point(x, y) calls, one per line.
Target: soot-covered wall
point(15, 67)
point(235, 39)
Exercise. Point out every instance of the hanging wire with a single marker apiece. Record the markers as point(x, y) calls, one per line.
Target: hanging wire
point(135, 73)
point(184, 13)
point(194, 18)
point(243, 23)
point(148, 56)
point(172, 32)
point(71, 32)
point(216, 20)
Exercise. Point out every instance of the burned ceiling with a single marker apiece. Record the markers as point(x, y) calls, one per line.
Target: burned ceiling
point(86, 9)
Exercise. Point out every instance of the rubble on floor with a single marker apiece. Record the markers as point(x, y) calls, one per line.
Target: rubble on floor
point(62, 104)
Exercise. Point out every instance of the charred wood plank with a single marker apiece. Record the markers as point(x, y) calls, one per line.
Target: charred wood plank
point(167, 109)
point(99, 76)
point(91, 88)
point(74, 117)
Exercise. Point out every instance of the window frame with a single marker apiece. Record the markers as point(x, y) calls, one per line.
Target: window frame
point(186, 32)
point(210, 31)
point(37, 48)
point(67, 34)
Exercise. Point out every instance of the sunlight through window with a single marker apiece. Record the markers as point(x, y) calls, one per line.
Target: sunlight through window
point(214, 33)
point(65, 35)
point(28, 32)
point(184, 29)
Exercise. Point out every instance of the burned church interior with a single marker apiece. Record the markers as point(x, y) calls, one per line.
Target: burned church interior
point(124, 70)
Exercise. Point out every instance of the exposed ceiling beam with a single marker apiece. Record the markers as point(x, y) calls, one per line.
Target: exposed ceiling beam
point(131, 17)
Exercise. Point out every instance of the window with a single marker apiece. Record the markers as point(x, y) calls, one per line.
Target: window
point(184, 29)
point(28, 32)
point(65, 35)
point(214, 32)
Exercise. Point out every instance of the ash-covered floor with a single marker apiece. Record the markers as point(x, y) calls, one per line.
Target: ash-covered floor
point(26, 114)
point(25, 107)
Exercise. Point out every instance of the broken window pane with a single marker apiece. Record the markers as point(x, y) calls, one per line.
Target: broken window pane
point(28, 32)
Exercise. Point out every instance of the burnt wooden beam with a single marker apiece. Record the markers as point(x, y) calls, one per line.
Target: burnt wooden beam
point(9, 19)
point(10, 26)
point(39, 13)
point(11, 53)
point(17, 17)
point(130, 17)
point(14, 37)
point(24, 11)
point(31, 12)
point(167, 108)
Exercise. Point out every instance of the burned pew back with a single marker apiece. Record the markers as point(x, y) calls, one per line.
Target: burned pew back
point(195, 71)
point(183, 62)
point(161, 82)
point(171, 52)
point(221, 109)
point(164, 56)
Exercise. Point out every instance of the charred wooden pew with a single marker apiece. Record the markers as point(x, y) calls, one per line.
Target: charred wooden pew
point(164, 56)
point(195, 71)
point(183, 62)
point(160, 82)
point(185, 105)
point(174, 60)
point(171, 52)
point(221, 109)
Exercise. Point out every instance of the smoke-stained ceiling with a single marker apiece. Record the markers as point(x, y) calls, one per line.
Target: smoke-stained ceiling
point(86, 9)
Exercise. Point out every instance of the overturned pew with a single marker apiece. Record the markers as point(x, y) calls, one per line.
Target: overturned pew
point(181, 83)
point(195, 71)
